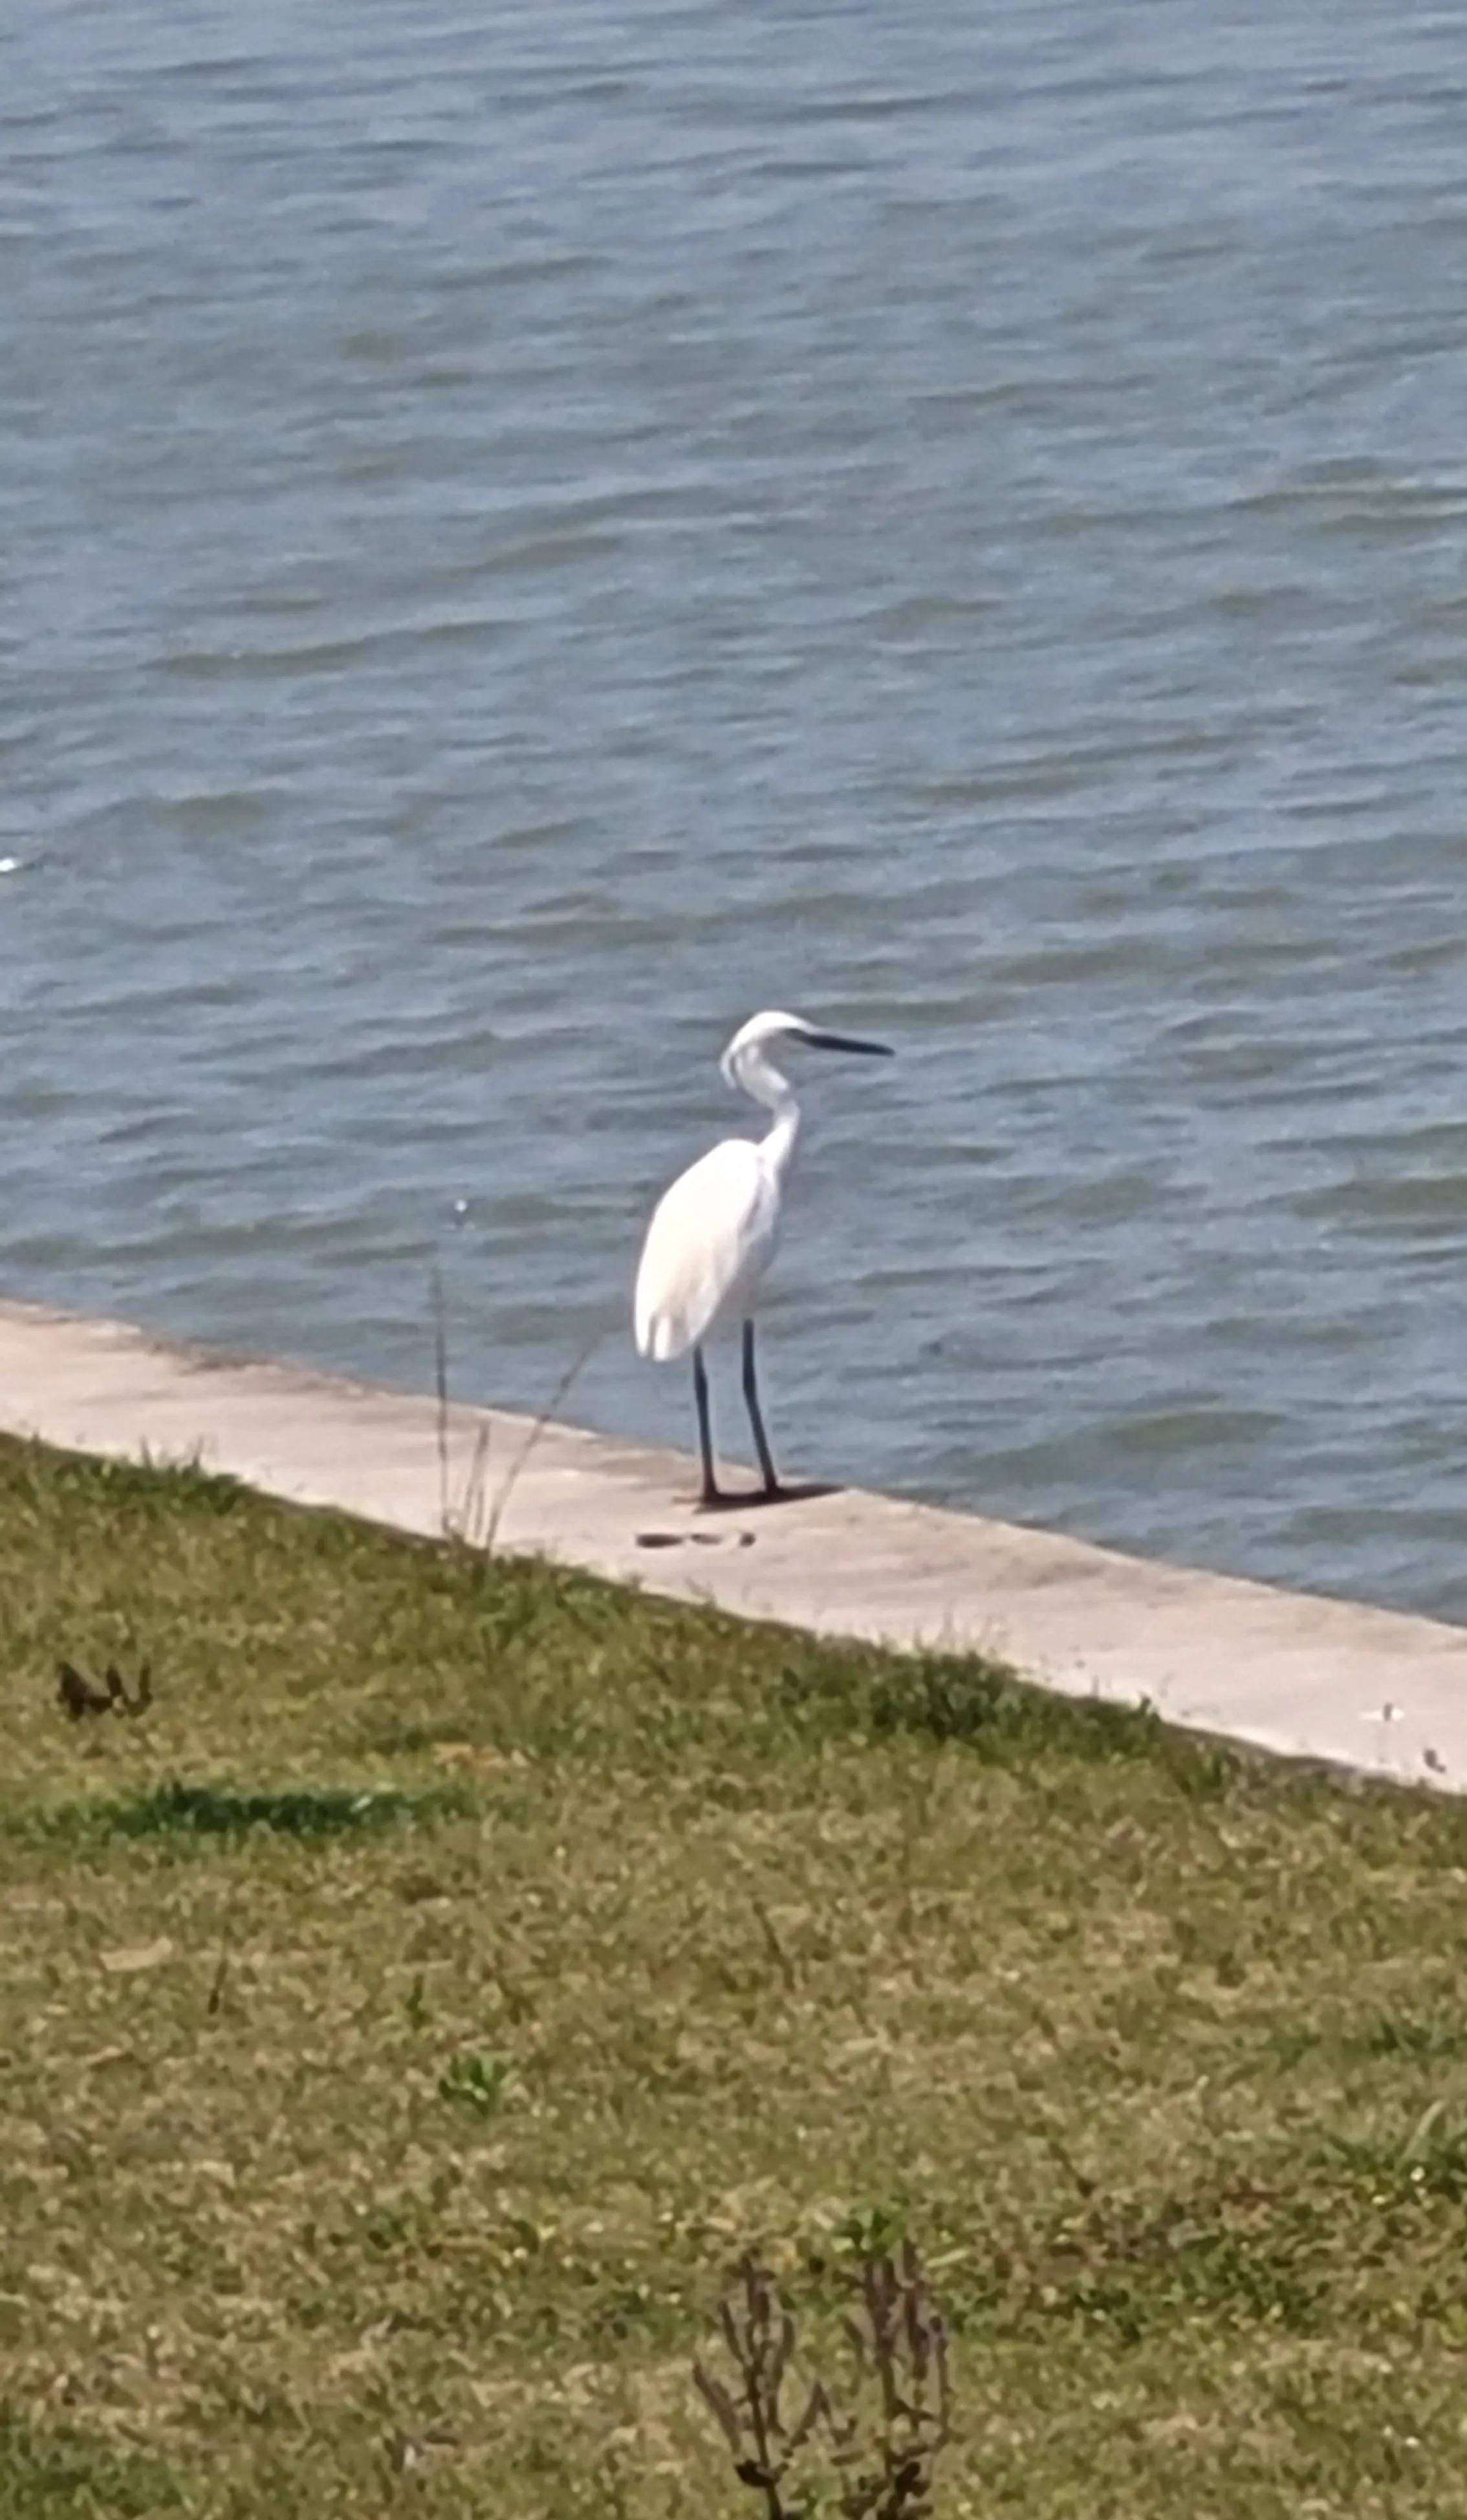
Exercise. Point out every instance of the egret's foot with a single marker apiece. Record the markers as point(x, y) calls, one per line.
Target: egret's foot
point(711, 1498)
point(772, 1490)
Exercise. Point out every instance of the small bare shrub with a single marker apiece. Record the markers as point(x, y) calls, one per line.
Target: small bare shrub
point(866, 2450)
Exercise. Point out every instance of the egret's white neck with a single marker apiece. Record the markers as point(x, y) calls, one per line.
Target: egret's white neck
point(758, 1075)
point(763, 1080)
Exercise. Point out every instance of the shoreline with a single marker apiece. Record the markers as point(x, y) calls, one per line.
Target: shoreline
point(1382, 1692)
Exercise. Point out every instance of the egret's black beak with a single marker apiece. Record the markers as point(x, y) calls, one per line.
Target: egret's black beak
point(843, 1041)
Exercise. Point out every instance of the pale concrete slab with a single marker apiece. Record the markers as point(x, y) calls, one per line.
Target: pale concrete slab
point(1369, 1688)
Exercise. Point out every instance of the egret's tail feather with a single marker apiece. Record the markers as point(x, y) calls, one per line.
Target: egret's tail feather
point(659, 1337)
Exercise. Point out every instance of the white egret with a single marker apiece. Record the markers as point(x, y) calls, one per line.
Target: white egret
point(712, 1234)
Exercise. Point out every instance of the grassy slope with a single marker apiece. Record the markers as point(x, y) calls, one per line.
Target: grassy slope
point(329, 2124)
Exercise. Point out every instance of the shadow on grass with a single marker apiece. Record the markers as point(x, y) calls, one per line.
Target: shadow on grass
point(219, 1810)
point(67, 2472)
point(966, 1698)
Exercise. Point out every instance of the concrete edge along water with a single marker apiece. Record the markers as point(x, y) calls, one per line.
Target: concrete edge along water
point(1377, 1691)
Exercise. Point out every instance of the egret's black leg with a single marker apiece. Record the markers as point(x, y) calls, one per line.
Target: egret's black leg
point(711, 1491)
point(751, 1398)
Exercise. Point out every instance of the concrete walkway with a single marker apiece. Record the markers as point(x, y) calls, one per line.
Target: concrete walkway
point(1366, 1688)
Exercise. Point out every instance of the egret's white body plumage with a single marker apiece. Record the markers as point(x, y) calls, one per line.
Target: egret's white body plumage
point(711, 1239)
point(713, 1233)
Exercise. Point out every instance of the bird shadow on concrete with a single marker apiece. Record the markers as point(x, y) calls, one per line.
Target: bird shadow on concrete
point(733, 1500)
point(761, 1500)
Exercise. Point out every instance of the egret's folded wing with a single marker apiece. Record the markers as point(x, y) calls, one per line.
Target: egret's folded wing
point(707, 1244)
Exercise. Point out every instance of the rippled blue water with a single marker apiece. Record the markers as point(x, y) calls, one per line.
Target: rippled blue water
point(531, 534)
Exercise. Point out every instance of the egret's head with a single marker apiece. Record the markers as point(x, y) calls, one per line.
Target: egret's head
point(758, 1042)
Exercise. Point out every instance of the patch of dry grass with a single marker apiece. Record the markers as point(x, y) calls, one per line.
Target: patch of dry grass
point(409, 2017)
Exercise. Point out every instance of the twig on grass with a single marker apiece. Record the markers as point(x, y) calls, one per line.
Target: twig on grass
point(899, 2340)
point(759, 2334)
point(469, 1523)
point(561, 1391)
point(77, 1697)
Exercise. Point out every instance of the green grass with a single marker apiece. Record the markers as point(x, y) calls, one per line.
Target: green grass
point(407, 2019)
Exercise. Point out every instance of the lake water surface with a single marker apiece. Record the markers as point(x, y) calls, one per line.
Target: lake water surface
point(531, 532)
